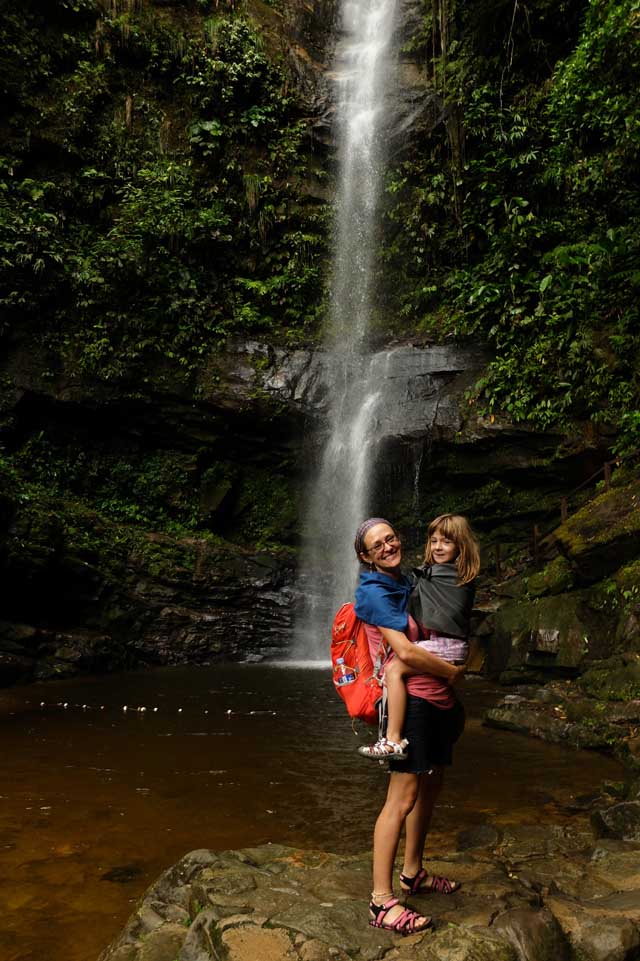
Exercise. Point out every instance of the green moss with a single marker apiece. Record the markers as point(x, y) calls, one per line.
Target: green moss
point(266, 510)
point(614, 679)
point(556, 577)
point(609, 515)
point(603, 536)
point(627, 580)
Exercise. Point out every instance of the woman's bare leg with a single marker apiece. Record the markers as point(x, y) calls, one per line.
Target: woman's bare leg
point(419, 820)
point(401, 797)
point(418, 824)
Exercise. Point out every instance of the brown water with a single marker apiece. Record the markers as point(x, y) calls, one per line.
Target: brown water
point(95, 802)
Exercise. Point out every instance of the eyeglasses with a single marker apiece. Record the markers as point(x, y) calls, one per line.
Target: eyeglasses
point(379, 546)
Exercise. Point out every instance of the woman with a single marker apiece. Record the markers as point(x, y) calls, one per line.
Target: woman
point(382, 600)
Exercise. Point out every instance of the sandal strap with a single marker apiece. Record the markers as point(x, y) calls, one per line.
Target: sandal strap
point(405, 923)
point(381, 910)
point(442, 885)
point(414, 883)
point(385, 748)
point(438, 884)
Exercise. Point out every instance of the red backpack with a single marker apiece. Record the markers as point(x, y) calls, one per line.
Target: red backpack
point(349, 640)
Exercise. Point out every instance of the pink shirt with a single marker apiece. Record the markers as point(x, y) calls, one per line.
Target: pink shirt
point(436, 690)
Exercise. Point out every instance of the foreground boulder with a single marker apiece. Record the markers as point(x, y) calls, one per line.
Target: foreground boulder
point(531, 893)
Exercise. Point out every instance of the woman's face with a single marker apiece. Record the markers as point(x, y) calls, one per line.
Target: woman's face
point(382, 549)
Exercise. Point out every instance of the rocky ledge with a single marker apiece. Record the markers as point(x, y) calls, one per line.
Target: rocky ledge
point(529, 893)
point(102, 597)
point(599, 711)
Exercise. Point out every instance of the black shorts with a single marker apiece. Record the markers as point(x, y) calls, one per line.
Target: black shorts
point(431, 731)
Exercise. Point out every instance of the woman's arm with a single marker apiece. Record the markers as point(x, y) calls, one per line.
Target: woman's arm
point(420, 660)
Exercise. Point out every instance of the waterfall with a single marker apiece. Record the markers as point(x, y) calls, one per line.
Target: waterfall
point(338, 499)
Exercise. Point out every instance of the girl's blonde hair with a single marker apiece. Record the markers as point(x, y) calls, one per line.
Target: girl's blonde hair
point(456, 528)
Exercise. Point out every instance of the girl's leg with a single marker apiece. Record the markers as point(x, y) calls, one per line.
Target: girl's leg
point(395, 676)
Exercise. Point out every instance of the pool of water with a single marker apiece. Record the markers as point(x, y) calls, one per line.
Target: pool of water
point(96, 800)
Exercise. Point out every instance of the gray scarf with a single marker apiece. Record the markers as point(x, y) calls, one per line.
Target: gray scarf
point(438, 602)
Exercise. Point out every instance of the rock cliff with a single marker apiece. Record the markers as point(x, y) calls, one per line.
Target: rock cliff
point(163, 528)
point(170, 175)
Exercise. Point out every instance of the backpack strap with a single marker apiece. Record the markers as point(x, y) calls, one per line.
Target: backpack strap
point(382, 714)
point(381, 657)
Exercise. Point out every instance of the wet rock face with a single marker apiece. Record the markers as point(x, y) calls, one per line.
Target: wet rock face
point(423, 385)
point(187, 602)
point(531, 893)
point(242, 441)
point(580, 606)
point(620, 821)
point(103, 597)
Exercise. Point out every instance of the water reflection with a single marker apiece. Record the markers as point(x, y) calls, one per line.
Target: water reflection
point(97, 801)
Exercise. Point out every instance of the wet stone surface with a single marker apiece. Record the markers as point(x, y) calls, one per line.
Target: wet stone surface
point(530, 893)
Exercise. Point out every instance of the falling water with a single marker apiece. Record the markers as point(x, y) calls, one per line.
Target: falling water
point(339, 499)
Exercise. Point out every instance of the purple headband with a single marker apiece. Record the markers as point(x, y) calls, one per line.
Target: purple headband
point(362, 530)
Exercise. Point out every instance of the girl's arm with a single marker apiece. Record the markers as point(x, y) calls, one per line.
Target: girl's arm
point(420, 660)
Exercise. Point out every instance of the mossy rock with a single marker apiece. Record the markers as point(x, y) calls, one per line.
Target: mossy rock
point(556, 578)
point(555, 632)
point(514, 677)
point(603, 535)
point(628, 578)
point(613, 679)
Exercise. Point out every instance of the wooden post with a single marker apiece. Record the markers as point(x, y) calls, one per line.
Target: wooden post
point(498, 564)
point(607, 475)
point(128, 111)
point(564, 509)
point(536, 538)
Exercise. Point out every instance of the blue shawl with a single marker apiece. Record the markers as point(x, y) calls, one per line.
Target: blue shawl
point(382, 600)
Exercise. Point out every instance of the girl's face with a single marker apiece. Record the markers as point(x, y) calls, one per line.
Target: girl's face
point(443, 550)
point(382, 549)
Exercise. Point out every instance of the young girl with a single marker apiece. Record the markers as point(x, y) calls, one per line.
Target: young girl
point(441, 603)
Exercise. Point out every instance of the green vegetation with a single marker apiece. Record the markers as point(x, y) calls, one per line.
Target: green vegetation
point(169, 491)
point(614, 679)
point(148, 198)
point(518, 219)
point(158, 197)
point(606, 527)
point(45, 529)
point(151, 202)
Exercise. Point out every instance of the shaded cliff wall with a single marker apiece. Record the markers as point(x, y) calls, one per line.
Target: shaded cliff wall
point(165, 203)
point(159, 530)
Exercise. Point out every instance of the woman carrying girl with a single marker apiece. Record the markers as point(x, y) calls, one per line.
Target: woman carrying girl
point(441, 602)
point(434, 718)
